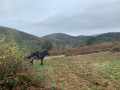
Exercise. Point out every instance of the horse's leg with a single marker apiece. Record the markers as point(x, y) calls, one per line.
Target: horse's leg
point(32, 61)
point(41, 61)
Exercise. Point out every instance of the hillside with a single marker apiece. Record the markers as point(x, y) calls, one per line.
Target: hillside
point(68, 41)
point(80, 41)
point(112, 35)
point(57, 36)
point(21, 37)
point(64, 39)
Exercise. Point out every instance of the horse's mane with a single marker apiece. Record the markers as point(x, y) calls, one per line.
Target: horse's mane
point(43, 52)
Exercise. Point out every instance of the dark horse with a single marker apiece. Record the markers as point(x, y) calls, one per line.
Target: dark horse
point(38, 55)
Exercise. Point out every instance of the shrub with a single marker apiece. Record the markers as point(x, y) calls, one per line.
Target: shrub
point(83, 50)
point(15, 71)
point(115, 49)
point(47, 45)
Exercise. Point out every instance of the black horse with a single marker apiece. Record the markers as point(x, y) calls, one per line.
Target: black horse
point(38, 55)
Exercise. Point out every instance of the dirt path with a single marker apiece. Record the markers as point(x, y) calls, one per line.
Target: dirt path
point(50, 57)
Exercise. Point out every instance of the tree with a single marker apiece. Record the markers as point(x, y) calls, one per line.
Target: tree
point(47, 45)
point(75, 45)
point(91, 40)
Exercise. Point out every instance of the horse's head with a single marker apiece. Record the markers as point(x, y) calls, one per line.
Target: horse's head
point(47, 53)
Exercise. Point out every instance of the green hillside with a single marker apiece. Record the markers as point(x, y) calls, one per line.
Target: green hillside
point(69, 41)
point(112, 35)
point(80, 41)
point(29, 40)
point(64, 39)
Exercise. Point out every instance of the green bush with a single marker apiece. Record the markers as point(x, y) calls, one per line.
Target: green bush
point(48, 45)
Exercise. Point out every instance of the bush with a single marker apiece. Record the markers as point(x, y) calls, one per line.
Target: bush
point(83, 50)
point(15, 71)
point(115, 49)
point(47, 45)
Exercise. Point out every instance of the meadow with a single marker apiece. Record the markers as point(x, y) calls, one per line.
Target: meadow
point(97, 71)
point(92, 68)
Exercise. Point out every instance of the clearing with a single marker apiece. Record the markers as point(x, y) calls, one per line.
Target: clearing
point(83, 72)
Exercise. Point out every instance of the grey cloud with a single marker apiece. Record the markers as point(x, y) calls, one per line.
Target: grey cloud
point(68, 16)
point(101, 17)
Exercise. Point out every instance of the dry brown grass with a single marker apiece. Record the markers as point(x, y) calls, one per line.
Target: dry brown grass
point(84, 72)
point(84, 50)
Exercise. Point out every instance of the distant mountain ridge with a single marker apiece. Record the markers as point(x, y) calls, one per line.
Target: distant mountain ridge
point(33, 41)
point(64, 39)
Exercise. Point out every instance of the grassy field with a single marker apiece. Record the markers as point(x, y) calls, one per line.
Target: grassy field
point(98, 71)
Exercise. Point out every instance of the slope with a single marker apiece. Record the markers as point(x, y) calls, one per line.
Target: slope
point(29, 40)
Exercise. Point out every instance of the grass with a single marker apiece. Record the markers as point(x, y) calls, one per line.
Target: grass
point(44, 67)
point(107, 66)
point(98, 71)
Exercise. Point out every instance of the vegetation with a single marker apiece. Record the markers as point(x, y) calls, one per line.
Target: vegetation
point(47, 45)
point(81, 41)
point(59, 39)
point(91, 41)
point(99, 71)
point(90, 63)
point(112, 35)
point(115, 49)
point(15, 71)
point(64, 39)
point(24, 39)
point(83, 50)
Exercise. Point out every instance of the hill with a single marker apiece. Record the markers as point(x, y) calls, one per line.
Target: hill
point(21, 37)
point(64, 39)
point(112, 35)
point(80, 41)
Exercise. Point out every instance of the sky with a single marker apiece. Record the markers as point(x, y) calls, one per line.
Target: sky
point(73, 17)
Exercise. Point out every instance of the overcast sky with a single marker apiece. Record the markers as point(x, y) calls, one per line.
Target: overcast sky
point(74, 17)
